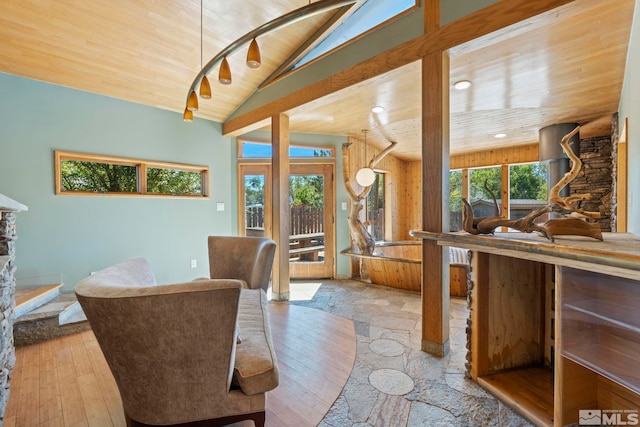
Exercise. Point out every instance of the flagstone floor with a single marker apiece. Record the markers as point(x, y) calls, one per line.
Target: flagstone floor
point(393, 382)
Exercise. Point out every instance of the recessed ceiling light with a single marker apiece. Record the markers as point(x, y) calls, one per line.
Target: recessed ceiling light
point(462, 84)
point(377, 109)
point(500, 135)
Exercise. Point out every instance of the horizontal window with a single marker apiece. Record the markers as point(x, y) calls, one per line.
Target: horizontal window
point(256, 149)
point(90, 174)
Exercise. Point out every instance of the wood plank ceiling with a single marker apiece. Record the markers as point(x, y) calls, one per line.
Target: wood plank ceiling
point(565, 65)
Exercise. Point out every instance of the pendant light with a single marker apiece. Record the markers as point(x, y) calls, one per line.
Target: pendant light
point(205, 86)
point(365, 176)
point(187, 116)
point(253, 55)
point(192, 102)
point(224, 77)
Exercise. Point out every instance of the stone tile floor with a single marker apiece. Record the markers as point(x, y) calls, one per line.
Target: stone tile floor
point(393, 382)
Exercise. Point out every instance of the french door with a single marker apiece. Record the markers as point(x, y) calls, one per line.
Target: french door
point(311, 230)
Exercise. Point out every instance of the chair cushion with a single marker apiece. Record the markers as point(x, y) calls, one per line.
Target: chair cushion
point(255, 369)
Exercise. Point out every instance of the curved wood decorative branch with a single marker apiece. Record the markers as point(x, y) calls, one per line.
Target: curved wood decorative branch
point(570, 203)
point(360, 236)
point(487, 225)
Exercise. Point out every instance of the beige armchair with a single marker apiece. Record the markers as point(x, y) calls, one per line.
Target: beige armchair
point(171, 348)
point(249, 259)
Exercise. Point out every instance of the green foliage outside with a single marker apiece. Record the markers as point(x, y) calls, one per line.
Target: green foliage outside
point(97, 177)
point(254, 190)
point(173, 181)
point(306, 190)
point(455, 188)
point(527, 181)
point(477, 179)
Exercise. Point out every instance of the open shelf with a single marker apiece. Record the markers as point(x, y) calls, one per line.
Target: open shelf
point(617, 366)
point(528, 391)
point(616, 314)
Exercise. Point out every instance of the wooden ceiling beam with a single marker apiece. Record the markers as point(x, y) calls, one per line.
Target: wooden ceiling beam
point(485, 21)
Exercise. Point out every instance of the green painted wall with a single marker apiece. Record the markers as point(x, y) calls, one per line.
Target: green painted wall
point(450, 10)
point(70, 236)
point(630, 108)
point(67, 237)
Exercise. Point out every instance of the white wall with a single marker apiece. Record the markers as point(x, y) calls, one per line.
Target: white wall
point(630, 109)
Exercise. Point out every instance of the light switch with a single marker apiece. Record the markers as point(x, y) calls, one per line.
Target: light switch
point(220, 206)
point(344, 206)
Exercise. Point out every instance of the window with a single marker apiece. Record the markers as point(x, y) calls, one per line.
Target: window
point(254, 149)
point(482, 183)
point(371, 14)
point(527, 189)
point(375, 208)
point(455, 200)
point(89, 174)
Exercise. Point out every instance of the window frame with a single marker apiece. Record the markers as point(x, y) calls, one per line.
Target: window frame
point(293, 159)
point(141, 172)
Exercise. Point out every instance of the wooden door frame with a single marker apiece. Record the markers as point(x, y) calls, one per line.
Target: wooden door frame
point(260, 169)
point(298, 167)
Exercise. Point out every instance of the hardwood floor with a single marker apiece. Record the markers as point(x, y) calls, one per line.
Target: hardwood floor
point(66, 381)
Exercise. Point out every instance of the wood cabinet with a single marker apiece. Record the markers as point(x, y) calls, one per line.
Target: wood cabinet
point(555, 327)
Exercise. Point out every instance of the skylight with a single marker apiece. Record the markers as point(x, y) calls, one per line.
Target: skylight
point(371, 14)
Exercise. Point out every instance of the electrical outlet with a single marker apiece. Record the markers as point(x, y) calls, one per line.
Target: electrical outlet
point(220, 206)
point(194, 263)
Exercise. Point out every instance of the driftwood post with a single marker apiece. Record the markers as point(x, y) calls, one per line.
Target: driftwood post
point(360, 236)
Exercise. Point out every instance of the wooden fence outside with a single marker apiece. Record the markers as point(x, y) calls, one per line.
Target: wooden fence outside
point(303, 220)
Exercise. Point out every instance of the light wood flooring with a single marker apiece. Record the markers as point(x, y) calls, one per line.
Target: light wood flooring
point(66, 381)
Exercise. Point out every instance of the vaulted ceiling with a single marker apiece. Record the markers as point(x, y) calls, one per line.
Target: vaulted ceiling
point(564, 65)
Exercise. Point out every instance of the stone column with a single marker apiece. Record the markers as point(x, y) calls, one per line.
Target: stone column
point(8, 209)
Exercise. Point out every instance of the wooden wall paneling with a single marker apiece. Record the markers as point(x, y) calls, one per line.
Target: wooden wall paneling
point(280, 205)
point(515, 323)
point(495, 157)
point(412, 205)
point(621, 179)
point(479, 314)
point(435, 205)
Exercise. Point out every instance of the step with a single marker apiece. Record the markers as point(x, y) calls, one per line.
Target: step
point(59, 317)
point(30, 299)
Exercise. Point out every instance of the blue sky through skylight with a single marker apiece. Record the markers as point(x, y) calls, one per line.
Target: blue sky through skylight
point(369, 15)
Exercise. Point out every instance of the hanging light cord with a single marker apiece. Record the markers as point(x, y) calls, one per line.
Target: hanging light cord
point(201, 29)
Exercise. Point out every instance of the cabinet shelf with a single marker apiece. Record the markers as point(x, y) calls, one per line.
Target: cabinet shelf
point(615, 365)
point(610, 312)
point(528, 391)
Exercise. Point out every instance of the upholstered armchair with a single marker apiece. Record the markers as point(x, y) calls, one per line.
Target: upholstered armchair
point(172, 348)
point(249, 259)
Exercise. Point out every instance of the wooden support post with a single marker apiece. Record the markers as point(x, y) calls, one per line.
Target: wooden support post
point(465, 183)
point(280, 205)
point(504, 195)
point(435, 202)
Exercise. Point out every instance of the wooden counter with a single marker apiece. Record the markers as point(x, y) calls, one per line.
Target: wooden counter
point(555, 327)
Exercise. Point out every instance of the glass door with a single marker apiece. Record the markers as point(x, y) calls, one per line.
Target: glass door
point(255, 201)
point(311, 241)
point(311, 231)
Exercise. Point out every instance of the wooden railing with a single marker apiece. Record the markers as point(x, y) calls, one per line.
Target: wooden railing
point(303, 220)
